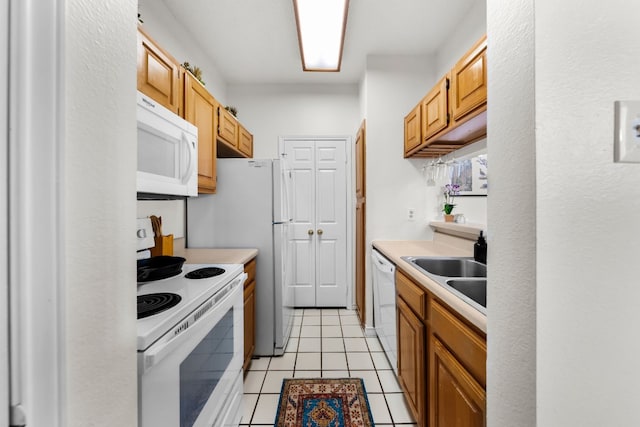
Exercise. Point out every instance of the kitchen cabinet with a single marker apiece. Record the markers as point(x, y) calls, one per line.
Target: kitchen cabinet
point(441, 359)
point(234, 140)
point(360, 288)
point(245, 141)
point(227, 127)
point(200, 109)
point(249, 313)
point(412, 345)
point(412, 129)
point(454, 113)
point(469, 81)
point(159, 74)
point(457, 374)
point(435, 109)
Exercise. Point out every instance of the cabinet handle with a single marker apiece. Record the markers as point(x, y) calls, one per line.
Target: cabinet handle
point(310, 232)
point(320, 232)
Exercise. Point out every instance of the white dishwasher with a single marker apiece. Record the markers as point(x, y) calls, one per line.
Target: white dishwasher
point(384, 305)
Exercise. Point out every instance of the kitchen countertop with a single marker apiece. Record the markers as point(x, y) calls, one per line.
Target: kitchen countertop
point(216, 255)
point(394, 249)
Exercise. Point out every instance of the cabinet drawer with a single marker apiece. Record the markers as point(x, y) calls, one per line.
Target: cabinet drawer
point(250, 269)
point(469, 348)
point(412, 294)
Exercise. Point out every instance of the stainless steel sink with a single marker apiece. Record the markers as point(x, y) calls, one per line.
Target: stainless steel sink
point(476, 289)
point(451, 267)
point(462, 276)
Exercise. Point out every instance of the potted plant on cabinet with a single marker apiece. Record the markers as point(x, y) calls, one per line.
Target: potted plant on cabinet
point(450, 191)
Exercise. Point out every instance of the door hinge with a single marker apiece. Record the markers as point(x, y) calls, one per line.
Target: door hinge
point(17, 417)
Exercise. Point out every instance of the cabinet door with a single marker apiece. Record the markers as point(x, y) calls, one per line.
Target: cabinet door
point(360, 161)
point(435, 114)
point(412, 360)
point(245, 141)
point(456, 399)
point(469, 81)
point(412, 130)
point(158, 74)
point(249, 322)
point(360, 288)
point(200, 109)
point(227, 127)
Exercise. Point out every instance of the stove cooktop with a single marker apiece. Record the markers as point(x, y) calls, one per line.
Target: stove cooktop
point(191, 292)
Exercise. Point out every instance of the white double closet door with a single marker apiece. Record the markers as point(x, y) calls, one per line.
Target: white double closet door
point(318, 239)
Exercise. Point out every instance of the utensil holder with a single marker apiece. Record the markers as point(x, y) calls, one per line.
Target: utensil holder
point(164, 245)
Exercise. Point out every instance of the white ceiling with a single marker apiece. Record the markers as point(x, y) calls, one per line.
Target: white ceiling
point(255, 41)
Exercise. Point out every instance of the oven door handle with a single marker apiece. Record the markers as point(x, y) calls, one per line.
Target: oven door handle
point(158, 351)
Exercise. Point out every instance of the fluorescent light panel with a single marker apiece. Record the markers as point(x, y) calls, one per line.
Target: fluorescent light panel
point(321, 25)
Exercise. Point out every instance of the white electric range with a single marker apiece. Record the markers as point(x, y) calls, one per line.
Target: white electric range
point(190, 355)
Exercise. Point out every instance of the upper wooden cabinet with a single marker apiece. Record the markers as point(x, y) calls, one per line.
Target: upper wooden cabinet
point(158, 74)
point(234, 140)
point(227, 127)
point(200, 109)
point(245, 141)
point(412, 129)
point(219, 133)
point(469, 81)
point(435, 109)
point(453, 113)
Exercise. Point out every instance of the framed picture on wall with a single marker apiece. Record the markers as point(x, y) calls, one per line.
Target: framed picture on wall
point(471, 175)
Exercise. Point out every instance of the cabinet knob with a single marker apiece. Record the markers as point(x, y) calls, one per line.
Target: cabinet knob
point(310, 232)
point(320, 231)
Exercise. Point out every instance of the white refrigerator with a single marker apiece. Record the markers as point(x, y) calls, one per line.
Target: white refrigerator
point(252, 209)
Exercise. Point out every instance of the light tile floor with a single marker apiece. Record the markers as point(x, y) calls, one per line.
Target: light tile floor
point(326, 343)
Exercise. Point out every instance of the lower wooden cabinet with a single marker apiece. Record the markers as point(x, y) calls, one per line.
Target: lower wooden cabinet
point(412, 354)
point(456, 398)
point(441, 360)
point(249, 313)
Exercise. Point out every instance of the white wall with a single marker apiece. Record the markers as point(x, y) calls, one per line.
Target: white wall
point(511, 335)
point(271, 111)
point(394, 85)
point(582, 228)
point(588, 229)
point(99, 187)
point(472, 26)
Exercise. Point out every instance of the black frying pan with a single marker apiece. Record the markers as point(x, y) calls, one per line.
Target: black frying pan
point(159, 267)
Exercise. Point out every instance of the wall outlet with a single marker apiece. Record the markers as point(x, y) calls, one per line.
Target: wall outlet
point(627, 132)
point(411, 214)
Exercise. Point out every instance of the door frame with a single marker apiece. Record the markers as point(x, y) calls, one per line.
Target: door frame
point(350, 204)
point(35, 211)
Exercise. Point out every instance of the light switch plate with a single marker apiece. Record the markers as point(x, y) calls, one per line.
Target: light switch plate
point(627, 132)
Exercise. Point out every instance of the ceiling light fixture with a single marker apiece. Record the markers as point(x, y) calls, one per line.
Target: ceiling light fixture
point(321, 25)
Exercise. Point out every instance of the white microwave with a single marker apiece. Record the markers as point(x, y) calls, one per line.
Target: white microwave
point(167, 152)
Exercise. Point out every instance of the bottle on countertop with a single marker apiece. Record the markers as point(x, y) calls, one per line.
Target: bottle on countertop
point(480, 249)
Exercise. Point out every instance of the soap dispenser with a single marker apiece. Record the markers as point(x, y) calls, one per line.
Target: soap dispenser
point(480, 249)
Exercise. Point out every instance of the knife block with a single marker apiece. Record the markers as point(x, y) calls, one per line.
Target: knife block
point(164, 246)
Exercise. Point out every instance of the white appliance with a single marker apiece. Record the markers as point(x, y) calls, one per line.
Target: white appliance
point(252, 209)
point(190, 347)
point(384, 305)
point(167, 152)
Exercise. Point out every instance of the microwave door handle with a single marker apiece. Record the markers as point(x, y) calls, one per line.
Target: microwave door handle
point(191, 147)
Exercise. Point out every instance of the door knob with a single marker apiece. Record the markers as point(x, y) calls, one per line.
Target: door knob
point(310, 232)
point(320, 231)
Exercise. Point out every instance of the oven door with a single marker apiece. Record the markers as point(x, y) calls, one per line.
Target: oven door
point(193, 374)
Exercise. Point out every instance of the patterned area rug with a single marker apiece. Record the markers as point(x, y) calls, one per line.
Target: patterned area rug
point(323, 402)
